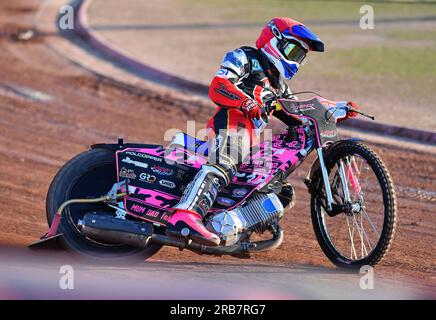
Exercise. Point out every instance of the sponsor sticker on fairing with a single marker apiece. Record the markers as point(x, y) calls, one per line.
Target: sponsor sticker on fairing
point(144, 155)
point(135, 163)
point(305, 107)
point(162, 170)
point(240, 192)
point(127, 173)
point(146, 177)
point(328, 133)
point(225, 201)
point(166, 183)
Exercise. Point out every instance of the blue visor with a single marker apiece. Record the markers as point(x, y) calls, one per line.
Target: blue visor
point(308, 36)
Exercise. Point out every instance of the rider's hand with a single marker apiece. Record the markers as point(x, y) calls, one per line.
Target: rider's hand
point(352, 114)
point(270, 105)
point(251, 109)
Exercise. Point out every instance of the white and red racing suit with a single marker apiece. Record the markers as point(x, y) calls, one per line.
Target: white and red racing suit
point(245, 73)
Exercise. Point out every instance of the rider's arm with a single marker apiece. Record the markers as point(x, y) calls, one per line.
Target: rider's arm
point(285, 91)
point(223, 90)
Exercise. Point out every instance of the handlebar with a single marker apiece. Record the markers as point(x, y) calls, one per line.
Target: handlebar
point(270, 106)
point(361, 113)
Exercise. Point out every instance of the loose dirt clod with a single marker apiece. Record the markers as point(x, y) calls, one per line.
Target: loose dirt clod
point(27, 35)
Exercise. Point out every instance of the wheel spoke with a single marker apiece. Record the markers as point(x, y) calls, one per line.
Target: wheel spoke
point(351, 234)
point(359, 230)
point(370, 222)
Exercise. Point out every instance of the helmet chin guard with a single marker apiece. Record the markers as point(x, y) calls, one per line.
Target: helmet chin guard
point(287, 68)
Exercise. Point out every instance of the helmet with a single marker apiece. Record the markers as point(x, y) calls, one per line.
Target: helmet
point(285, 42)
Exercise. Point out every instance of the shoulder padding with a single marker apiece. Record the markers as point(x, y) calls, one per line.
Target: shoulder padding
point(236, 61)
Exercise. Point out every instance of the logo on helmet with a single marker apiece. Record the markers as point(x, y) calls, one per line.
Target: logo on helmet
point(275, 30)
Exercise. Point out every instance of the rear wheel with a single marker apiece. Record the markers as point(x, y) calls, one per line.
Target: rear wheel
point(362, 234)
point(88, 175)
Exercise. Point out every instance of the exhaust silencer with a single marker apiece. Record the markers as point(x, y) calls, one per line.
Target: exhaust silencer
point(105, 228)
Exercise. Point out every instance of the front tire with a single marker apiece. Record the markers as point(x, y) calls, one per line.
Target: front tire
point(378, 196)
point(88, 175)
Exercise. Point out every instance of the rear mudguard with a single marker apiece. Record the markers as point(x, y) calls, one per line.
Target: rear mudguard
point(315, 168)
point(121, 145)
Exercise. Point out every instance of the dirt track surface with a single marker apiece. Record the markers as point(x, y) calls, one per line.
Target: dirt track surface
point(37, 276)
point(50, 110)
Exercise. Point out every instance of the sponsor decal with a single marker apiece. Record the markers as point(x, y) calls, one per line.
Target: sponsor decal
point(144, 155)
point(135, 163)
point(275, 30)
point(240, 192)
point(146, 177)
point(223, 90)
point(304, 107)
point(168, 184)
point(152, 213)
point(137, 208)
point(328, 133)
point(225, 201)
point(162, 170)
point(127, 173)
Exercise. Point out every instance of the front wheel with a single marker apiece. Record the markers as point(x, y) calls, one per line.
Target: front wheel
point(362, 234)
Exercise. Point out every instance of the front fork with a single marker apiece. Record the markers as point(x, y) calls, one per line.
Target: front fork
point(325, 178)
point(347, 171)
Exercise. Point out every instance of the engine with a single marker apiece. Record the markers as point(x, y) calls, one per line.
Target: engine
point(255, 215)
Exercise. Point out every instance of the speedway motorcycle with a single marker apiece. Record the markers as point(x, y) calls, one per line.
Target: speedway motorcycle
point(114, 200)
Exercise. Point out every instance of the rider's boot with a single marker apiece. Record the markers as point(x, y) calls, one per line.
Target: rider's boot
point(198, 198)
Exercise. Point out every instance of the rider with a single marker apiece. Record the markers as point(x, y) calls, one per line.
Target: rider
point(247, 80)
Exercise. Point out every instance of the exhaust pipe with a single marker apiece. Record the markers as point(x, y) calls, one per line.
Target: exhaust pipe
point(241, 250)
point(102, 227)
point(99, 226)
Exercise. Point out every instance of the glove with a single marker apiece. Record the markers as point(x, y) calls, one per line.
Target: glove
point(251, 109)
point(270, 105)
point(352, 114)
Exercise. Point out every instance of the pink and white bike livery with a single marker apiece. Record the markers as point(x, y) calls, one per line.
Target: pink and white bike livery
point(353, 204)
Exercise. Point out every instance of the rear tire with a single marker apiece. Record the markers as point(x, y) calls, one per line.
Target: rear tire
point(89, 175)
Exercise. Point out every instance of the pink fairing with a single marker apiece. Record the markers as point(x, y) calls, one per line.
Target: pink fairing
point(153, 197)
point(289, 156)
point(180, 155)
point(153, 151)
